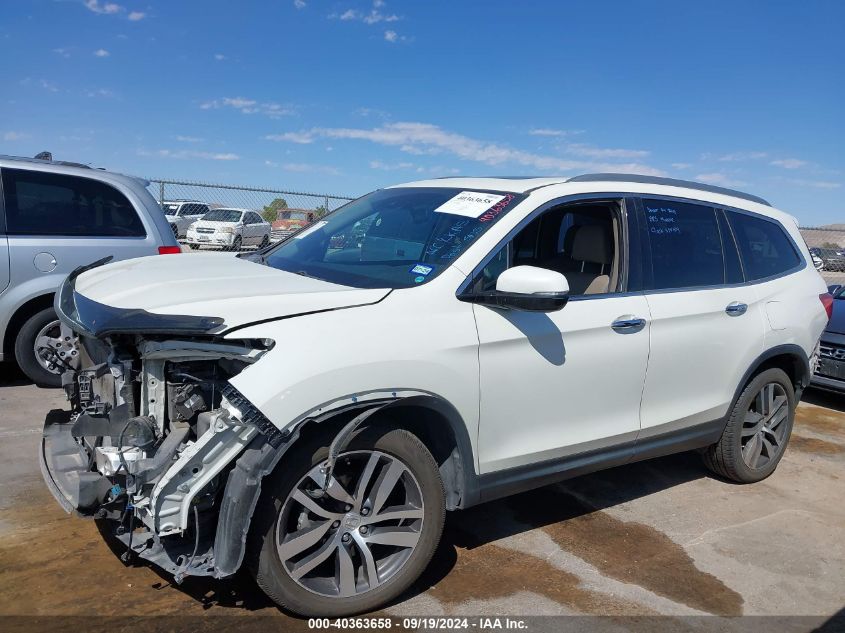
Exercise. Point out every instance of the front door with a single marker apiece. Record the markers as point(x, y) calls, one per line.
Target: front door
point(562, 383)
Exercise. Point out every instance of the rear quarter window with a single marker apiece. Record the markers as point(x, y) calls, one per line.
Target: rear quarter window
point(39, 203)
point(764, 246)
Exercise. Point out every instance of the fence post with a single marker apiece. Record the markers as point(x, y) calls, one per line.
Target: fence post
point(161, 193)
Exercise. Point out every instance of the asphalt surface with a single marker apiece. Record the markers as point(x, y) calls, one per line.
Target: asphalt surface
point(659, 537)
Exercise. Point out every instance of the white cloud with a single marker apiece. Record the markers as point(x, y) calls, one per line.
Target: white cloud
point(545, 131)
point(391, 36)
point(719, 179)
point(299, 4)
point(189, 139)
point(101, 52)
point(107, 8)
point(373, 17)
point(303, 138)
point(219, 57)
point(740, 156)
point(49, 86)
point(249, 106)
point(307, 168)
point(580, 149)
point(816, 184)
point(377, 164)
point(100, 92)
point(186, 154)
point(425, 138)
point(14, 136)
point(135, 16)
point(789, 163)
point(681, 165)
point(64, 52)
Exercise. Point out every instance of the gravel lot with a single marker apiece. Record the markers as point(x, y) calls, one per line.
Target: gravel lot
point(660, 537)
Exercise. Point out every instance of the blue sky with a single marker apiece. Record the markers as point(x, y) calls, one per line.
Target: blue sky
point(344, 97)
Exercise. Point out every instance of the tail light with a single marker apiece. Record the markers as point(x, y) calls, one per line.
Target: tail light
point(169, 250)
point(827, 302)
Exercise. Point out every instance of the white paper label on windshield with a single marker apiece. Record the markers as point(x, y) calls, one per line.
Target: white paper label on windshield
point(471, 204)
point(314, 227)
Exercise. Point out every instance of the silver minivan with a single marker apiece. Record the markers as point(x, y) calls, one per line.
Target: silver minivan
point(54, 217)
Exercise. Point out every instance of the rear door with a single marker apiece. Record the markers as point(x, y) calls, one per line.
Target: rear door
point(706, 324)
point(56, 222)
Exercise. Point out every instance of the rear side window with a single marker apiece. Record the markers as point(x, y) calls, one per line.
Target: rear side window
point(39, 203)
point(686, 246)
point(765, 248)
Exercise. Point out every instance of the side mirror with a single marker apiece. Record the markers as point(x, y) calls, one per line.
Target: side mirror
point(525, 288)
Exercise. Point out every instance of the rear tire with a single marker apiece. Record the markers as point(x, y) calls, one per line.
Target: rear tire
point(758, 430)
point(265, 241)
point(25, 354)
point(280, 513)
point(237, 243)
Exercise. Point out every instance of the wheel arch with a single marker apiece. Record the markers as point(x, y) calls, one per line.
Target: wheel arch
point(789, 357)
point(433, 419)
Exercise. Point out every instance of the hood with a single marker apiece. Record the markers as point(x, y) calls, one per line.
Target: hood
point(836, 325)
point(215, 285)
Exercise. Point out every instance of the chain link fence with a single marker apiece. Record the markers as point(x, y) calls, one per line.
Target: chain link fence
point(827, 245)
point(236, 218)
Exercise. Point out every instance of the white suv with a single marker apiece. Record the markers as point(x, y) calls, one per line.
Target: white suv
point(181, 214)
point(313, 410)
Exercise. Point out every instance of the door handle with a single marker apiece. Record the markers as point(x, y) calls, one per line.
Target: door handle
point(628, 323)
point(735, 308)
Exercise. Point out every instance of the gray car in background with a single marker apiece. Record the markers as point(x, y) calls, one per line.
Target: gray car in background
point(54, 217)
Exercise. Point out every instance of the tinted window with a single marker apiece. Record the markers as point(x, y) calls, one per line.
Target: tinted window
point(763, 245)
point(686, 247)
point(51, 204)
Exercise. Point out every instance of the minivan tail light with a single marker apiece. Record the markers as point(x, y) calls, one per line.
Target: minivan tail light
point(169, 250)
point(827, 302)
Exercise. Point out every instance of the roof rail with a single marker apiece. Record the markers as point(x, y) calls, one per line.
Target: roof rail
point(671, 182)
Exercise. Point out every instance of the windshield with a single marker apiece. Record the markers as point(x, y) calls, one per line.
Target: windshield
point(223, 215)
point(392, 238)
point(170, 209)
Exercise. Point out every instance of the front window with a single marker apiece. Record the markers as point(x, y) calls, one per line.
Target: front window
point(223, 215)
point(392, 238)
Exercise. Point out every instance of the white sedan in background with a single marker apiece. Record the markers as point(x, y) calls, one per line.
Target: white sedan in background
point(229, 228)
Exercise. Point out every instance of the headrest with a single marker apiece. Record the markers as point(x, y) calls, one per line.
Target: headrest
point(592, 245)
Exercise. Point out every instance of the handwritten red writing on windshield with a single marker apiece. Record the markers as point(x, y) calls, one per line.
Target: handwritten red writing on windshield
point(496, 209)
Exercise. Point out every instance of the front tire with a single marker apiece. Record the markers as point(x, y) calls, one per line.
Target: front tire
point(757, 431)
point(42, 330)
point(360, 544)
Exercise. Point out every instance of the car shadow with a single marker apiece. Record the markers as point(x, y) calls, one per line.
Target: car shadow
point(826, 399)
point(558, 503)
point(12, 376)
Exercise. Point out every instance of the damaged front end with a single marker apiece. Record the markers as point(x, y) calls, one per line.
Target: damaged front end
point(154, 427)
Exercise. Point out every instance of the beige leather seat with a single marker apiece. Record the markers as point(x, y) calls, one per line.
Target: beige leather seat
point(592, 245)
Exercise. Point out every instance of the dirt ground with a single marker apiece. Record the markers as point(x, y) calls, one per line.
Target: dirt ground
point(656, 538)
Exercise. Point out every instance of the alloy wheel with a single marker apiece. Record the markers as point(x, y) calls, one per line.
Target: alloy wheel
point(52, 351)
point(354, 533)
point(763, 429)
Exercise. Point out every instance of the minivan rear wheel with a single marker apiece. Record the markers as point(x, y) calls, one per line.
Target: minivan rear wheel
point(757, 431)
point(360, 543)
point(40, 349)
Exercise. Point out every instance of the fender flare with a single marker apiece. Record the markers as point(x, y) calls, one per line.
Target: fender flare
point(243, 485)
point(802, 367)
